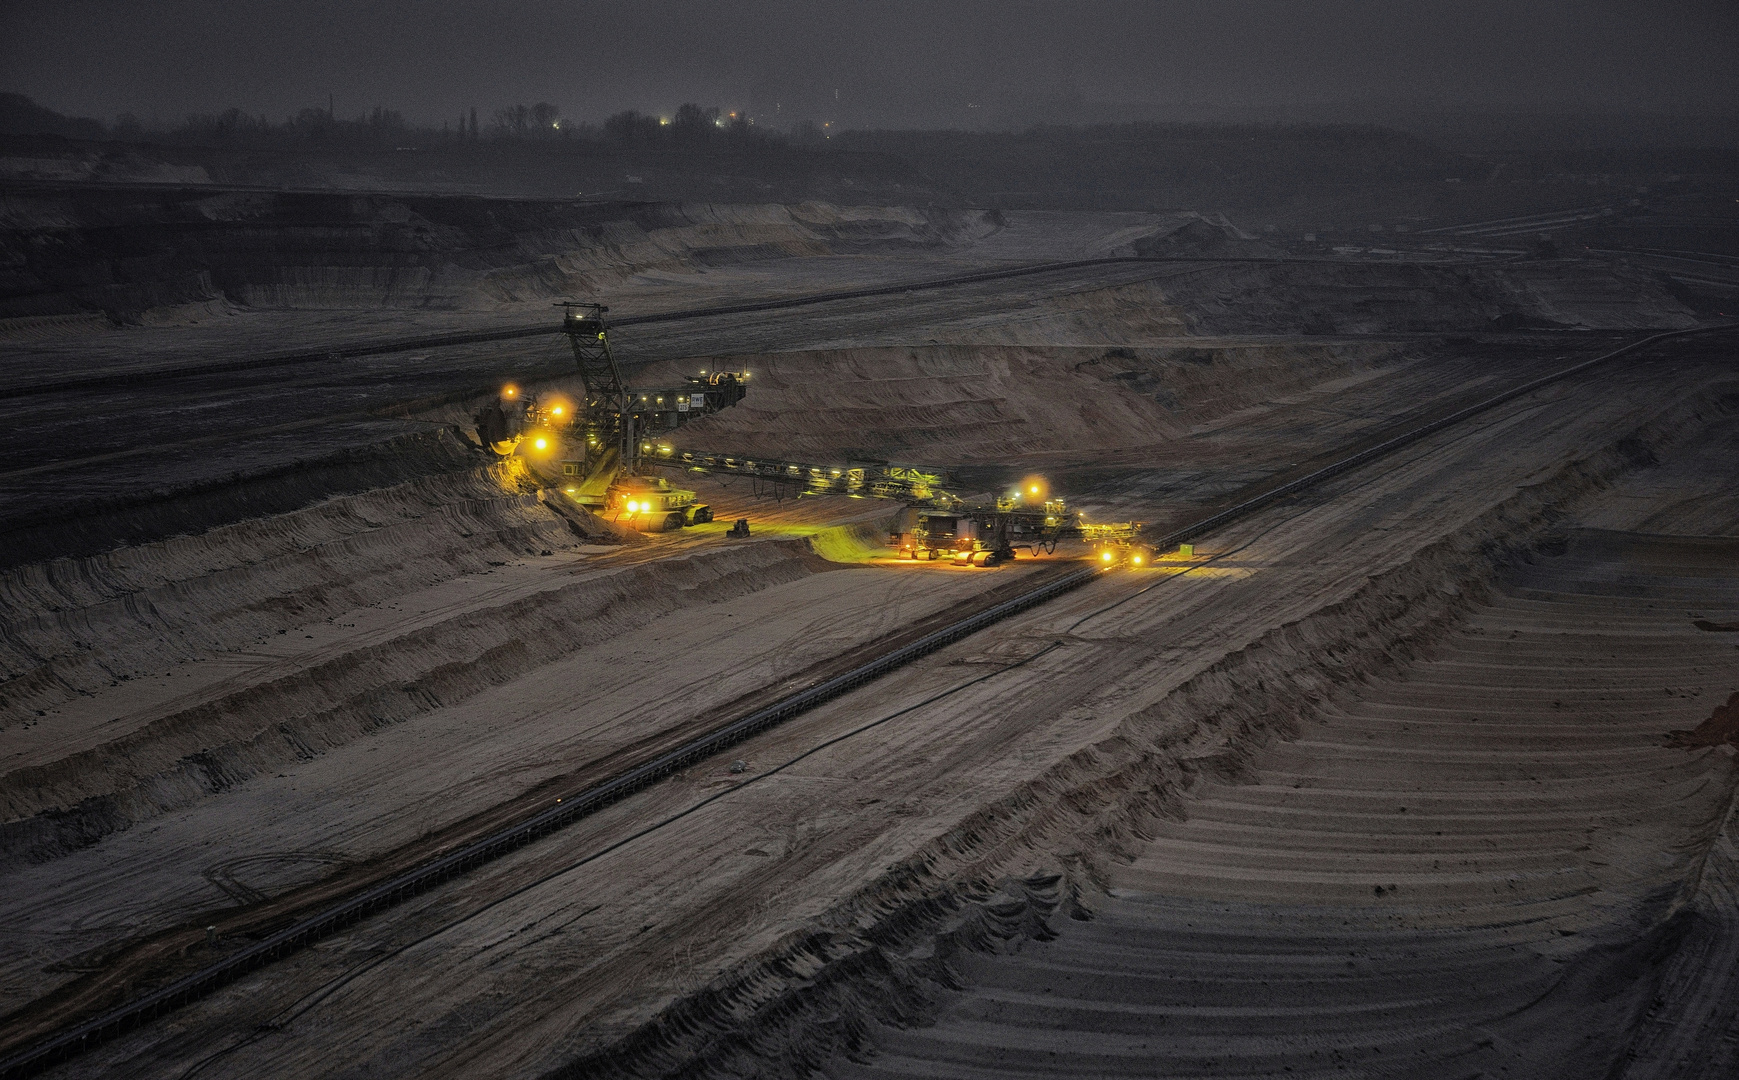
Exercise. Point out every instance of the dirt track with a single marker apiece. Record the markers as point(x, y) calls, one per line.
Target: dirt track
point(317, 689)
point(856, 836)
point(1474, 864)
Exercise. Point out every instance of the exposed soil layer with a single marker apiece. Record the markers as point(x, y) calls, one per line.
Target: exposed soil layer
point(1478, 865)
point(720, 940)
point(968, 404)
point(85, 468)
point(906, 955)
point(270, 633)
point(125, 252)
point(1374, 297)
point(163, 675)
point(1722, 726)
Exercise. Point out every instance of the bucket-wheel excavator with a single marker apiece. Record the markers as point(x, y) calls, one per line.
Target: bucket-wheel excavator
point(614, 438)
point(603, 439)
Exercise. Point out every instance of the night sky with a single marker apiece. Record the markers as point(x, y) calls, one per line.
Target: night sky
point(873, 64)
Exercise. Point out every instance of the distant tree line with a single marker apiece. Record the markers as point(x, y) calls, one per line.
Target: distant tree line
point(691, 127)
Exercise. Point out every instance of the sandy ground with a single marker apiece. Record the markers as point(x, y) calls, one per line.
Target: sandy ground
point(347, 642)
point(791, 883)
point(93, 452)
point(1471, 866)
point(98, 456)
point(1479, 864)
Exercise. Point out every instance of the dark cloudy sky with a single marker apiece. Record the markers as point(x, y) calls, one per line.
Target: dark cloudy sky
point(865, 63)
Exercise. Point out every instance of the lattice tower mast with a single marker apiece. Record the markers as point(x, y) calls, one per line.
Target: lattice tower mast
point(609, 416)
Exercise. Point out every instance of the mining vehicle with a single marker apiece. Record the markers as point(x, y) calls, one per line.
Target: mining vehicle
point(1118, 543)
point(986, 536)
point(607, 444)
point(614, 430)
point(514, 416)
point(943, 526)
point(600, 441)
point(652, 505)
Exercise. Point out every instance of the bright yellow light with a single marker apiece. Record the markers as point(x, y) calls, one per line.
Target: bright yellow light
point(509, 390)
point(557, 410)
point(541, 443)
point(632, 506)
point(1106, 556)
point(1034, 490)
point(1136, 560)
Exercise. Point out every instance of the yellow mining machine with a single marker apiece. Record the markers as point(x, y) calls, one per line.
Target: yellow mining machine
point(938, 525)
point(1118, 543)
point(608, 443)
point(1027, 516)
point(601, 441)
point(984, 535)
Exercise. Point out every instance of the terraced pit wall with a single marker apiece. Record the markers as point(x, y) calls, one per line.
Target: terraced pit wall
point(888, 953)
point(125, 253)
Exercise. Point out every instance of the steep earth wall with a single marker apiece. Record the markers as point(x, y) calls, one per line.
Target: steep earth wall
point(951, 404)
point(126, 252)
point(893, 952)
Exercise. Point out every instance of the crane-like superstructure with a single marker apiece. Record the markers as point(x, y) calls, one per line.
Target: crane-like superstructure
point(611, 439)
point(607, 417)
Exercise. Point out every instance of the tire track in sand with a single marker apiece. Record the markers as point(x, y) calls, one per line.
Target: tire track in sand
point(1465, 871)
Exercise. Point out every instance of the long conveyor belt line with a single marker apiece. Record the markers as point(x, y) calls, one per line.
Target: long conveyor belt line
point(126, 377)
point(434, 341)
point(571, 808)
point(1389, 446)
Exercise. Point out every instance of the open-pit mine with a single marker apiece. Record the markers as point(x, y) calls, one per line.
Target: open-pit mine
point(448, 636)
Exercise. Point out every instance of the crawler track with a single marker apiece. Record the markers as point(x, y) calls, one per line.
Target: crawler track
point(385, 894)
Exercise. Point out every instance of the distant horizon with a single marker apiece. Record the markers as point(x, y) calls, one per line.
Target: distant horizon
point(1408, 118)
point(900, 65)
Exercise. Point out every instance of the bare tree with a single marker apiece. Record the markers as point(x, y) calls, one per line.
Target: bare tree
point(694, 125)
point(630, 128)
